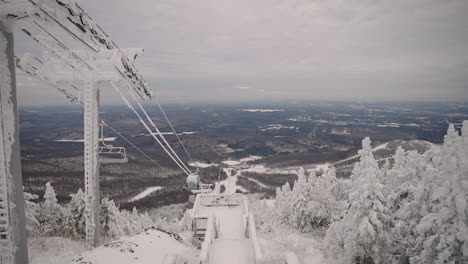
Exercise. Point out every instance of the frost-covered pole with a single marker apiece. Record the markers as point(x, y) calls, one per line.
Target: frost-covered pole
point(91, 162)
point(13, 241)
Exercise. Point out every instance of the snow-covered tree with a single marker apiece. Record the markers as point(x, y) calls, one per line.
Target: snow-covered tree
point(363, 233)
point(31, 209)
point(310, 204)
point(111, 219)
point(75, 217)
point(442, 232)
point(283, 202)
point(51, 214)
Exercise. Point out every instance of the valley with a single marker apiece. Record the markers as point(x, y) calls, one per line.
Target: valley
point(263, 144)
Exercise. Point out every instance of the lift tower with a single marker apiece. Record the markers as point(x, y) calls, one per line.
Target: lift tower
point(78, 55)
point(13, 244)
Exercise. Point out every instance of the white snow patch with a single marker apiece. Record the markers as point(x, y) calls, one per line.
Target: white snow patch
point(172, 133)
point(231, 181)
point(322, 167)
point(203, 165)
point(277, 127)
point(307, 249)
point(250, 158)
point(243, 160)
point(262, 110)
point(381, 146)
point(398, 125)
point(339, 131)
point(257, 182)
point(53, 250)
point(269, 202)
point(145, 193)
point(231, 162)
point(82, 140)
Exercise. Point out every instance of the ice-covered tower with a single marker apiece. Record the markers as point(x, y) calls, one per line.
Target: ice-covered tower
point(13, 244)
point(78, 55)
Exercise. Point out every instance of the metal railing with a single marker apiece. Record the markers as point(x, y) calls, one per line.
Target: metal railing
point(210, 235)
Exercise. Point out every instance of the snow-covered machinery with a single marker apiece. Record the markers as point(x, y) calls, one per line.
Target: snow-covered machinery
point(109, 153)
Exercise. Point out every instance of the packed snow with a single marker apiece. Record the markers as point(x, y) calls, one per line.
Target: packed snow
point(152, 246)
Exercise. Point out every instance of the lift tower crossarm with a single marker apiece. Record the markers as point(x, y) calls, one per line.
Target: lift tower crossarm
point(34, 17)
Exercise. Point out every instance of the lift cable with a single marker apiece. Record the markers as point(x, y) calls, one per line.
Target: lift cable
point(117, 89)
point(141, 151)
point(158, 131)
point(175, 133)
point(129, 142)
point(63, 46)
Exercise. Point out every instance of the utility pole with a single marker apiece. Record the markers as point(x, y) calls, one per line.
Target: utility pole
point(13, 240)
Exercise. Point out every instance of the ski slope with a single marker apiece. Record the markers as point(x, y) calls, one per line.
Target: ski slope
point(145, 193)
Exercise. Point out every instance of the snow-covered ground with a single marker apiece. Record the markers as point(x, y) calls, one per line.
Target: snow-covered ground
point(231, 162)
point(398, 125)
point(145, 193)
point(179, 134)
point(150, 247)
point(53, 250)
point(202, 164)
point(230, 183)
point(262, 110)
point(276, 127)
point(307, 249)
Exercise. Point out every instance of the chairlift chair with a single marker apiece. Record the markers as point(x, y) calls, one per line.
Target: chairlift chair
point(109, 153)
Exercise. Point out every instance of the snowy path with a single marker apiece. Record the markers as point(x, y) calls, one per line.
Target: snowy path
point(230, 246)
point(232, 251)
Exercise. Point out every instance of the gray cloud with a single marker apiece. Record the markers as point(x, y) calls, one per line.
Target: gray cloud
point(296, 49)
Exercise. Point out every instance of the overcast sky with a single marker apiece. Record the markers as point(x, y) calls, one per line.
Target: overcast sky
point(236, 50)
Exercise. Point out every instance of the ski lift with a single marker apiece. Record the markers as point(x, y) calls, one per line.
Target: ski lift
point(196, 186)
point(109, 153)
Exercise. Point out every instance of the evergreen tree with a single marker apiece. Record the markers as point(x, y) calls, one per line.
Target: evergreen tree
point(51, 214)
point(111, 219)
point(31, 209)
point(362, 234)
point(442, 232)
point(76, 218)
